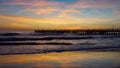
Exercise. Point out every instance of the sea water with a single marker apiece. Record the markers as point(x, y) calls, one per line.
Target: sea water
point(31, 42)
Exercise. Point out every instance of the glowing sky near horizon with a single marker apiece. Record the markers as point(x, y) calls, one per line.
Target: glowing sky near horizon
point(59, 14)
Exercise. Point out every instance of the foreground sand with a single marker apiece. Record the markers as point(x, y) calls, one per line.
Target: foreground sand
point(76, 59)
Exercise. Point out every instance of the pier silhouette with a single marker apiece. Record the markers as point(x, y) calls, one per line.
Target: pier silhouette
point(83, 32)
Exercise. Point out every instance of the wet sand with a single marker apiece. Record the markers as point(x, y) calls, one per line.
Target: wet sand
point(76, 59)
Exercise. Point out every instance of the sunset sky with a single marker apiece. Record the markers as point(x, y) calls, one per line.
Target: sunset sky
point(59, 14)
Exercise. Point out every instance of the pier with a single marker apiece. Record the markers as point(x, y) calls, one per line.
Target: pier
point(83, 32)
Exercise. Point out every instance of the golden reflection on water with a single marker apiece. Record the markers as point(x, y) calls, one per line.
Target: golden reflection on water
point(62, 60)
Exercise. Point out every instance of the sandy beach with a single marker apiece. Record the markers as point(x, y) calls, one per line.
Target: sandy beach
point(77, 59)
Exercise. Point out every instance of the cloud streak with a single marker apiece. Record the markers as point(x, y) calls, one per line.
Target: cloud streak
point(68, 23)
point(117, 11)
point(49, 13)
point(94, 4)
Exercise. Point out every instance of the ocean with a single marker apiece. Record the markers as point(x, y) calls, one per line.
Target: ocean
point(31, 42)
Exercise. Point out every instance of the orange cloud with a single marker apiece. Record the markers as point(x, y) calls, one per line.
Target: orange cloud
point(49, 7)
point(93, 4)
point(33, 3)
point(28, 22)
point(57, 23)
point(42, 6)
point(47, 10)
point(17, 24)
point(67, 13)
point(117, 11)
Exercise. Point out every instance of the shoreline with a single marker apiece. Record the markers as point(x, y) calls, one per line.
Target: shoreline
point(61, 52)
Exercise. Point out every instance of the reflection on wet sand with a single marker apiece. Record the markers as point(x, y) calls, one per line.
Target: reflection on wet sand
point(76, 59)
